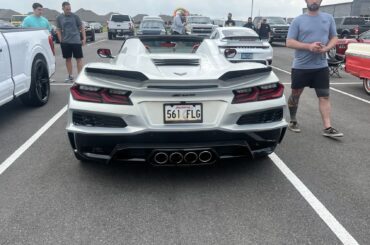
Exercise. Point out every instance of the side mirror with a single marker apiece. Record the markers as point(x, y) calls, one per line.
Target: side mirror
point(105, 53)
point(230, 53)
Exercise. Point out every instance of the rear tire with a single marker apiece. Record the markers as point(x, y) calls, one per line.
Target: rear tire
point(366, 85)
point(39, 92)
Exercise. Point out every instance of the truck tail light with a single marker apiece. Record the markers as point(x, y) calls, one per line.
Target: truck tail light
point(100, 95)
point(258, 93)
point(51, 43)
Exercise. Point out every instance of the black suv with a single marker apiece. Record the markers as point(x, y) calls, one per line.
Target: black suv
point(348, 26)
point(279, 28)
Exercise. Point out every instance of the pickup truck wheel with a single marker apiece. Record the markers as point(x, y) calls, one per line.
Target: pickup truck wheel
point(366, 83)
point(39, 92)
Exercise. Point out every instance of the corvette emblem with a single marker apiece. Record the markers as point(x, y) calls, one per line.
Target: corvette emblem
point(180, 74)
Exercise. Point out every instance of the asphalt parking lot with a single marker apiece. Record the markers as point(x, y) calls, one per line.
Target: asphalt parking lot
point(314, 190)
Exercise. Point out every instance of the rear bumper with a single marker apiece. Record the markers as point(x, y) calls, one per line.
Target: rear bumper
point(121, 31)
point(141, 148)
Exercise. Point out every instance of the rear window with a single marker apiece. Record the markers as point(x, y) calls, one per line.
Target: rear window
point(276, 20)
point(240, 33)
point(120, 18)
point(171, 45)
point(354, 21)
point(152, 24)
point(199, 20)
point(239, 23)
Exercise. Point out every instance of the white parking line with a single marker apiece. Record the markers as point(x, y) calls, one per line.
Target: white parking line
point(334, 89)
point(13, 157)
point(343, 235)
point(103, 40)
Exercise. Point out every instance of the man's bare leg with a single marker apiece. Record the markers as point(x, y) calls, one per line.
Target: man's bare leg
point(325, 110)
point(69, 66)
point(79, 65)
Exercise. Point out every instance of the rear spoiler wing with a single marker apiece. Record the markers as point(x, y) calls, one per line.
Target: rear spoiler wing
point(133, 75)
point(241, 73)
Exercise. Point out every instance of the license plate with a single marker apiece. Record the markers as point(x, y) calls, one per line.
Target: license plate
point(247, 56)
point(183, 113)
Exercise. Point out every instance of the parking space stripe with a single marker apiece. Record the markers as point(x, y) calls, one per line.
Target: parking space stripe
point(334, 89)
point(13, 157)
point(100, 41)
point(343, 235)
point(350, 95)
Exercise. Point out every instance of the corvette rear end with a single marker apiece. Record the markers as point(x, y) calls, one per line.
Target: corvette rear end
point(174, 101)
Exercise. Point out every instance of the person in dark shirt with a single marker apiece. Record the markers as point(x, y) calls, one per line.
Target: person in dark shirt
point(229, 21)
point(264, 30)
point(250, 24)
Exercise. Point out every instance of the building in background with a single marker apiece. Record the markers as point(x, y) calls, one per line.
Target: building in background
point(352, 8)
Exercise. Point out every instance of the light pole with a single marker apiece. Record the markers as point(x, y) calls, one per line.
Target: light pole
point(252, 9)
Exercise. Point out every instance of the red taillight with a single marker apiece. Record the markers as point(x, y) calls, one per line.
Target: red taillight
point(51, 43)
point(259, 93)
point(100, 95)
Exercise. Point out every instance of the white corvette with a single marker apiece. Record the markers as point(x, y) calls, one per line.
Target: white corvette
point(174, 100)
point(241, 44)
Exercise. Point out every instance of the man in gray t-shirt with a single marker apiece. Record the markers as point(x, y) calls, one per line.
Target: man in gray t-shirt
point(312, 35)
point(72, 36)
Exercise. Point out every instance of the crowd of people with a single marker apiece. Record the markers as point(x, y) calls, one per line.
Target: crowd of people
point(263, 29)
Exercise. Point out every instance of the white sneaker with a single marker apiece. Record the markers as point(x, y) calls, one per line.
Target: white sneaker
point(69, 79)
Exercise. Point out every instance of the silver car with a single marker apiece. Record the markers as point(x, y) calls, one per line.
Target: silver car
point(245, 42)
point(173, 101)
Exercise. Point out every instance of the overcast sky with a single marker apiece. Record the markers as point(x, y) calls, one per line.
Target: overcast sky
point(212, 8)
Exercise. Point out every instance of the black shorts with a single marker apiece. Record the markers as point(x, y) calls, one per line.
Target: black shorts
point(69, 50)
point(313, 78)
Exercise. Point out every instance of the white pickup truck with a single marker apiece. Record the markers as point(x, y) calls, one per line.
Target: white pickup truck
point(120, 25)
point(27, 61)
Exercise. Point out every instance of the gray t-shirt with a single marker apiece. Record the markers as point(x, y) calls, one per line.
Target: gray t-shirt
point(70, 26)
point(309, 29)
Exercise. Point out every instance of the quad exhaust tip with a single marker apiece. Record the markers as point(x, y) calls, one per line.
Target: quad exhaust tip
point(176, 158)
point(191, 157)
point(161, 158)
point(205, 156)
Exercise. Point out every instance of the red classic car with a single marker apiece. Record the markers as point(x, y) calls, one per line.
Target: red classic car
point(342, 44)
point(358, 62)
